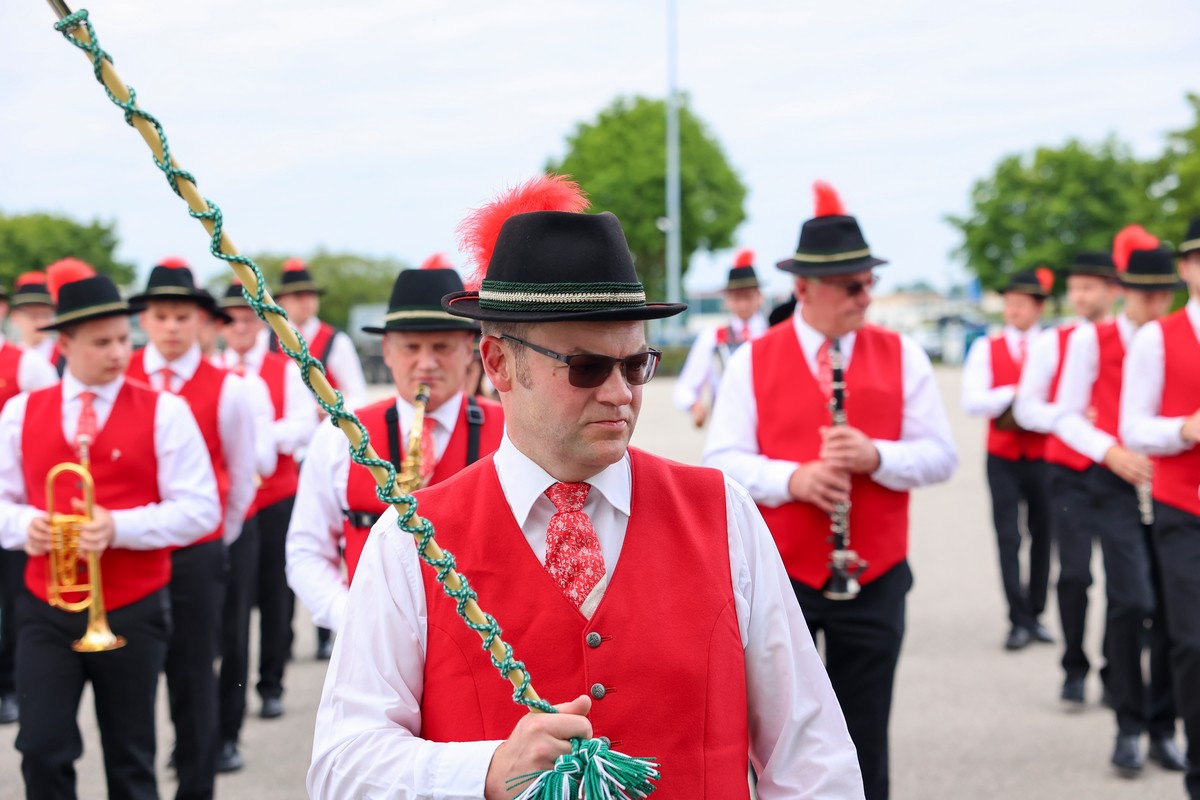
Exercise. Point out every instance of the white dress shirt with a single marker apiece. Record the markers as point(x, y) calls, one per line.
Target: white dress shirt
point(1079, 374)
point(343, 362)
point(314, 563)
point(188, 508)
point(979, 397)
point(292, 431)
point(367, 743)
point(235, 426)
point(1033, 409)
point(924, 454)
point(33, 370)
point(1142, 429)
point(700, 370)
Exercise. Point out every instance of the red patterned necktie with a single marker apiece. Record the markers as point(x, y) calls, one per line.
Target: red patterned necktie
point(573, 556)
point(825, 369)
point(428, 451)
point(86, 426)
point(167, 378)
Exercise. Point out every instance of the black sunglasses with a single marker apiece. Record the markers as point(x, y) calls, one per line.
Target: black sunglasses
point(589, 370)
point(853, 288)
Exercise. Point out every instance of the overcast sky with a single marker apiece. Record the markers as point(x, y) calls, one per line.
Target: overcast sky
point(374, 126)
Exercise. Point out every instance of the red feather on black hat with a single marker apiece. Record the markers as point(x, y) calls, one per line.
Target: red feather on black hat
point(294, 265)
point(31, 279)
point(1131, 237)
point(437, 261)
point(828, 204)
point(68, 270)
point(1045, 277)
point(174, 262)
point(744, 258)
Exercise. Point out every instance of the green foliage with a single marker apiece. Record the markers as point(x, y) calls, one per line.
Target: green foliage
point(34, 241)
point(620, 161)
point(347, 278)
point(1178, 171)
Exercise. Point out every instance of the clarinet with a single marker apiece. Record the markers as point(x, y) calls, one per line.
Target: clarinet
point(1145, 497)
point(845, 566)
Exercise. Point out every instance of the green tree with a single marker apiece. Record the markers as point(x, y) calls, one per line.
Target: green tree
point(1044, 207)
point(1176, 192)
point(620, 160)
point(34, 241)
point(346, 278)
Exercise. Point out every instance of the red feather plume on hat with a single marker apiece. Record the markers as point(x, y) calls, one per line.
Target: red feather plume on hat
point(174, 262)
point(477, 233)
point(31, 279)
point(744, 258)
point(68, 270)
point(294, 265)
point(437, 261)
point(1131, 237)
point(1045, 276)
point(827, 201)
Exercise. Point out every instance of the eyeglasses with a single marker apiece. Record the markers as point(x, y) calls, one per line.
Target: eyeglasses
point(853, 288)
point(589, 370)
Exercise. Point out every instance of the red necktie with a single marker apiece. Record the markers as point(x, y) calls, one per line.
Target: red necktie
point(428, 451)
point(86, 426)
point(825, 369)
point(1023, 350)
point(167, 376)
point(573, 556)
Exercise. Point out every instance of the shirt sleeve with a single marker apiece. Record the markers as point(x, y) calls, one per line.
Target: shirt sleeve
point(1079, 372)
point(188, 507)
point(35, 372)
point(925, 452)
point(235, 421)
point(799, 743)
point(296, 427)
point(347, 368)
point(697, 371)
point(1142, 429)
point(366, 742)
point(15, 511)
point(1033, 409)
point(266, 457)
point(979, 397)
point(732, 443)
point(314, 564)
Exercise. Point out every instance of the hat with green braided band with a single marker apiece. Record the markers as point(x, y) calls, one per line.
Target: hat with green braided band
point(543, 260)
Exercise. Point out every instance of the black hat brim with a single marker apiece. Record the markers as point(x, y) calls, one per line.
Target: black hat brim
point(205, 302)
point(809, 270)
point(1144, 286)
point(311, 288)
point(127, 310)
point(466, 304)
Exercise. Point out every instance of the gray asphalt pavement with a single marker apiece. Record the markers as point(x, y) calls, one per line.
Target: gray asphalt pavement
point(970, 720)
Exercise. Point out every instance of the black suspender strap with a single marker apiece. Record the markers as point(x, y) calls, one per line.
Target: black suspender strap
point(392, 417)
point(475, 420)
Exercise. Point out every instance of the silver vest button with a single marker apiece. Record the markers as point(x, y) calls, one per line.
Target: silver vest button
point(598, 691)
point(593, 639)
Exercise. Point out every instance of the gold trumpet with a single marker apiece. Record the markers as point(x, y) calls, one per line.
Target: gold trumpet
point(62, 572)
point(409, 479)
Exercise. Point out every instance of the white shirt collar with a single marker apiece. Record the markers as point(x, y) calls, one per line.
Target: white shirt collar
point(185, 366)
point(524, 481)
point(811, 339)
point(251, 359)
point(72, 388)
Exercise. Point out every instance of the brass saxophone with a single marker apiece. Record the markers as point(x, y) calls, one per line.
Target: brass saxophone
point(845, 566)
point(409, 479)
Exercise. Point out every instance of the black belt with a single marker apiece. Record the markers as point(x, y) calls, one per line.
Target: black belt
point(361, 519)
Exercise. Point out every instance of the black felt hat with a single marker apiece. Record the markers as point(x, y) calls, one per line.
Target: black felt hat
point(83, 295)
point(213, 307)
point(172, 279)
point(1098, 264)
point(296, 278)
point(742, 274)
point(831, 243)
point(1191, 240)
point(31, 290)
point(233, 297)
point(1143, 262)
point(1037, 283)
point(416, 303)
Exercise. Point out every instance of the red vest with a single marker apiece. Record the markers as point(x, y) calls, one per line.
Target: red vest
point(1106, 391)
point(1057, 451)
point(1177, 477)
point(203, 395)
point(10, 362)
point(791, 407)
point(125, 471)
point(673, 672)
point(1010, 445)
point(281, 484)
point(360, 485)
point(318, 347)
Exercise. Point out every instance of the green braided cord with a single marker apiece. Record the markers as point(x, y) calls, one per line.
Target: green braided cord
point(591, 770)
point(337, 412)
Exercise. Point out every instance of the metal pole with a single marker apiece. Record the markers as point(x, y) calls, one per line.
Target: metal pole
point(674, 223)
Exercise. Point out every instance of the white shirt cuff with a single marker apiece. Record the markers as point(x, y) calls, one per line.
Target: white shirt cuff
point(777, 475)
point(459, 769)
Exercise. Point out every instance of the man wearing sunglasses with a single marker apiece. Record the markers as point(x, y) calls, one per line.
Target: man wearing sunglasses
point(644, 597)
point(771, 431)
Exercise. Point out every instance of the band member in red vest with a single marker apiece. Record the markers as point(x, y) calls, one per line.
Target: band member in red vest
point(1089, 395)
point(1015, 470)
point(672, 653)
point(421, 344)
point(713, 346)
point(1091, 292)
point(299, 295)
point(32, 309)
point(154, 490)
point(771, 432)
point(1160, 416)
point(257, 566)
point(171, 362)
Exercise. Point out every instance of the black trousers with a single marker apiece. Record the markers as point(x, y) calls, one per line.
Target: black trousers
point(276, 603)
point(1177, 540)
point(198, 575)
point(1074, 536)
point(235, 630)
point(1015, 485)
point(12, 586)
point(1142, 703)
point(862, 640)
point(124, 683)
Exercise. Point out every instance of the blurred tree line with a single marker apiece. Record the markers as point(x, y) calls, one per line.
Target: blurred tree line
point(31, 242)
point(1043, 207)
